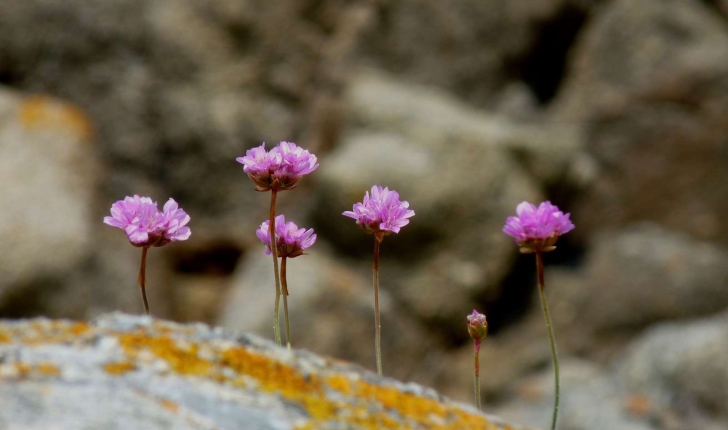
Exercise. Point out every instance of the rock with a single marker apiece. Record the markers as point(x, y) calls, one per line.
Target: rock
point(472, 50)
point(449, 162)
point(331, 311)
point(645, 274)
point(591, 399)
point(48, 168)
point(134, 372)
point(649, 81)
point(681, 367)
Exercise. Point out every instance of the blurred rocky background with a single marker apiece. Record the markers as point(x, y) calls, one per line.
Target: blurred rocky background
point(615, 110)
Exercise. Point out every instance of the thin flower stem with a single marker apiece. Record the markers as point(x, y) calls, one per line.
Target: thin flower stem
point(143, 280)
point(378, 326)
point(477, 374)
point(284, 284)
point(549, 325)
point(274, 253)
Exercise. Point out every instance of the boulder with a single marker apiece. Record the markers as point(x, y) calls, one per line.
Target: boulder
point(450, 162)
point(682, 367)
point(649, 82)
point(131, 372)
point(48, 168)
point(331, 309)
point(644, 274)
point(591, 399)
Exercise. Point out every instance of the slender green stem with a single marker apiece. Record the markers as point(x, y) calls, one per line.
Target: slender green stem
point(549, 325)
point(477, 374)
point(143, 280)
point(284, 284)
point(378, 326)
point(274, 253)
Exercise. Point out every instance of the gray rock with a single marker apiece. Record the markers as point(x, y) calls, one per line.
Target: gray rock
point(332, 311)
point(591, 399)
point(449, 162)
point(649, 81)
point(682, 367)
point(646, 274)
point(127, 372)
point(48, 168)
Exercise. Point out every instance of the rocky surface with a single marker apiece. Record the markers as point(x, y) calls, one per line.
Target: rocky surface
point(48, 168)
point(130, 372)
point(673, 376)
point(615, 110)
point(650, 81)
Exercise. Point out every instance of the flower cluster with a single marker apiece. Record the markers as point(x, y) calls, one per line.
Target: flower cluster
point(536, 229)
point(145, 225)
point(477, 326)
point(291, 241)
point(278, 169)
point(382, 212)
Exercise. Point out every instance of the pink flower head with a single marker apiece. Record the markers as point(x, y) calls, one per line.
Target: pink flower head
point(278, 169)
point(477, 326)
point(537, 228)
point(176, 221)
point(145, 225)
point(290, 239)
point(382, 212)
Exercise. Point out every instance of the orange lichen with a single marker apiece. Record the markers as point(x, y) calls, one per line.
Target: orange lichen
point(47, 369)
point(4, 337)
point(184, 361)
point(273, 375)
point(119, 368)
point(326, 397)
point(78, 329)
point(44, 112)
point(340, 383)
point(22, 369)
point(170, 405)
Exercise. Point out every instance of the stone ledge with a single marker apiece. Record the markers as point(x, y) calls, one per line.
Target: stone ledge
point(133, 372)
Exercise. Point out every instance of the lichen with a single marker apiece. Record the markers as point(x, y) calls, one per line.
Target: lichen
point(119, 368)
point(328, 398)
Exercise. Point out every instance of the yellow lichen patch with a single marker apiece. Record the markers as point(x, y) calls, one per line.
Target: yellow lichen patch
point(4, 337)
point(119, 368)
point(38, 333)
point(340, 384)
point(364, 406)
point(22, 369)
point(47, 369)
point(184, 361)
point(78, 329)
point(170, 405)
point(25, 370)
point(271, 374)
point(45, 113)
point(416, 409)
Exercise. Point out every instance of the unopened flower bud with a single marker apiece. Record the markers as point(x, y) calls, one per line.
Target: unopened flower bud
point(477, 326)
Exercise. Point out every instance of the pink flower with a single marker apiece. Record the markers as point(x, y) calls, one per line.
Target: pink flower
point(145, 225)
point(278, 169)
point(290, 239)
point(537, 229)
point(176, 223)
point(477, 326)
point(382, 212)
